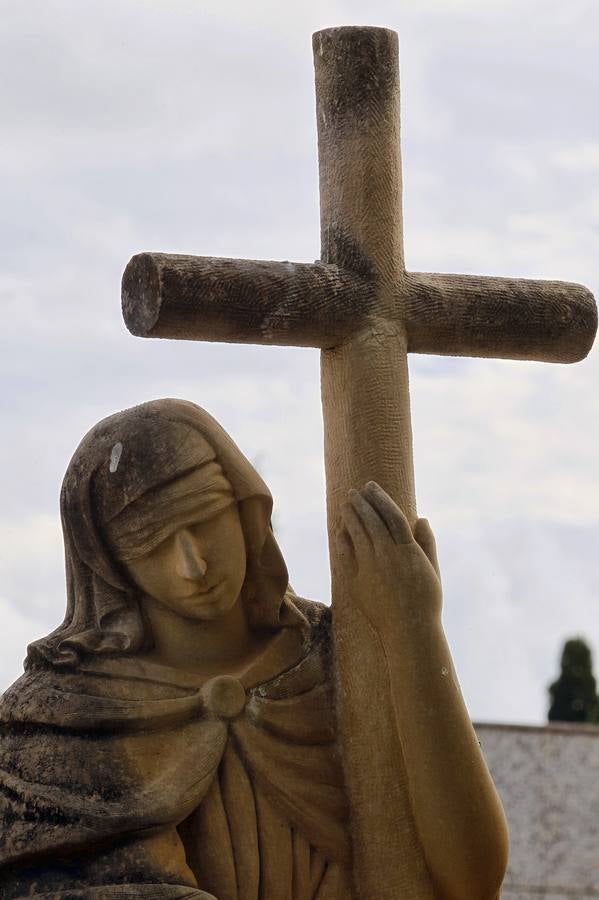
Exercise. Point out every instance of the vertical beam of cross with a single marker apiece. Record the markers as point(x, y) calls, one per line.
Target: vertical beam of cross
point(368, 434)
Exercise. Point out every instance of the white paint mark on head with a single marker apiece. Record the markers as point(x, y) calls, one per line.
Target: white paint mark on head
point(444, 672)
point(115, 456)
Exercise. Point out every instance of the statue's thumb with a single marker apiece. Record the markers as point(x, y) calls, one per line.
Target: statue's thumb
point(426, 540)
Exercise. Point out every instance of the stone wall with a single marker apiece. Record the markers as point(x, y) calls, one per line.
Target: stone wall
point(548, 779)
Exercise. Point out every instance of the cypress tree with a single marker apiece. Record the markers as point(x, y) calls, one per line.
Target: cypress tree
point(574, 695)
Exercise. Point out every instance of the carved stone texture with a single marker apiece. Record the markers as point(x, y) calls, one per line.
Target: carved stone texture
point(178, 735)
point(361, 307)
point(175, 737)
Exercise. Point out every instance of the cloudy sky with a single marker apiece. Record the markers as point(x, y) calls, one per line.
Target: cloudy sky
point(189, 127)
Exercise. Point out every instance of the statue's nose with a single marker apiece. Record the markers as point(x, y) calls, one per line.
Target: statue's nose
point(190, 563)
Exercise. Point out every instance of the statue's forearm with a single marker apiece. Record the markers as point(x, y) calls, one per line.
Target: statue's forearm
point(457, 812)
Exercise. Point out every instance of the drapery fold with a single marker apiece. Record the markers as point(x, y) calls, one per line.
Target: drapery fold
point(119, 782)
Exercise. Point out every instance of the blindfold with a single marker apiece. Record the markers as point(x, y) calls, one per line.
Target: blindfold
point(187, 500)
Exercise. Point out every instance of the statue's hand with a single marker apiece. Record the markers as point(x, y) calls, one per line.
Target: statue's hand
point(391, 574)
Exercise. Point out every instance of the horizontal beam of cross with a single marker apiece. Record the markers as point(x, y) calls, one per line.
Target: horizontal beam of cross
point(318, 305)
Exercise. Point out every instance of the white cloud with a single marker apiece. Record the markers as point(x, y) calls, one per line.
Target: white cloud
point(509, 438)
point(515, 589)
point(19, 630)
point(579, 158)
point(31, 567)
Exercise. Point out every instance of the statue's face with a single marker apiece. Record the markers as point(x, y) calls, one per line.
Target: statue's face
point(198, 571)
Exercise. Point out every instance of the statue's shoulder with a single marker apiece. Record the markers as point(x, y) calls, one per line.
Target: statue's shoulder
point(37, 695)
point(310, 669)
point(112, 693)
point(315, 612)
point(318, 618)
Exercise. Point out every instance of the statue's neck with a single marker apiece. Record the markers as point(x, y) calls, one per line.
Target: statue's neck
point(223, 645)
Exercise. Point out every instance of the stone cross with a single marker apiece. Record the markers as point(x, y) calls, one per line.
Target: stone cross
point(366, 313)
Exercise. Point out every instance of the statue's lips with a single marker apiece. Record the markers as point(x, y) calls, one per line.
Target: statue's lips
point(201, 592)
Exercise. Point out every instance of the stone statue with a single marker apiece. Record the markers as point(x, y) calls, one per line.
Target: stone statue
point(176, 736)
point(194, 729)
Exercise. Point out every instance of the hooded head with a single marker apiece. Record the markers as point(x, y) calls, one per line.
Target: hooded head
point(135, 479)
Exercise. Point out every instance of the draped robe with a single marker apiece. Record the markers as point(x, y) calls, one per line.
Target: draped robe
point(124, 778)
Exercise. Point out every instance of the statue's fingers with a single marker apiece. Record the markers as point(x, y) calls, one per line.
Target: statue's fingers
point(345, 550)
point(355, 527)
point(371, 520)
point(426, 539)
point(388, 510)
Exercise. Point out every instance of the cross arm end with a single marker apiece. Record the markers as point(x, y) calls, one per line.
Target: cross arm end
point(506, 318)
point(242, 301)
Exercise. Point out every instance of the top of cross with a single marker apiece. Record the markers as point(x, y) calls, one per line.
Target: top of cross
point(361, 275)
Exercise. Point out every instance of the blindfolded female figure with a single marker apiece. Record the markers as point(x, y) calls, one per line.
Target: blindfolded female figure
point(175, 737)
point(176, 733)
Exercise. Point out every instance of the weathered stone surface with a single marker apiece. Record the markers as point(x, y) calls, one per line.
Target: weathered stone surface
point(360, 306)
point(195, 731)
point(548, 780)
point(175, 737)
point(178, 735)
